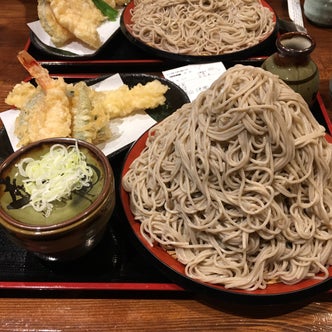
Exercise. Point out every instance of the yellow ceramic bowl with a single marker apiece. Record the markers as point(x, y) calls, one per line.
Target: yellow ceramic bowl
point(75, 225)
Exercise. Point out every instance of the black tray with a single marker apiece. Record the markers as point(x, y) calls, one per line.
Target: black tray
point(117, 263)
point(120, 55)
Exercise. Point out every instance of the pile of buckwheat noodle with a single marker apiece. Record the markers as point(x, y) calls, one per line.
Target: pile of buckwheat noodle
point(237, 184)
point(201, 27)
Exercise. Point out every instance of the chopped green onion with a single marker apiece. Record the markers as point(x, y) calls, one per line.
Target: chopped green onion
point(106, 9)
point(54, 176)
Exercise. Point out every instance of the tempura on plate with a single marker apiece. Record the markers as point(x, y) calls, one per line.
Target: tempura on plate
point(55, 108)
point(45, 108)
point(68, 20)
point(81, 17)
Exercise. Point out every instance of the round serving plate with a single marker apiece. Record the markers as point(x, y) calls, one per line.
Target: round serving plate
point(262, 47)
point(274, 293)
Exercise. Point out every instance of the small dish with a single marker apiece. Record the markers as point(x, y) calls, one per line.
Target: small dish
point(76, 223)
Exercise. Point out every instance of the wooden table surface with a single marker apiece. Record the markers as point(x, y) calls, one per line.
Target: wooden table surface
point(40, 310)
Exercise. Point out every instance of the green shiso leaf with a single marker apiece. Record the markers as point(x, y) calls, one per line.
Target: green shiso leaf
point(106, 9)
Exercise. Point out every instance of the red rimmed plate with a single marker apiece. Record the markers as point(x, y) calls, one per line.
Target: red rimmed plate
point(175, 270)
point(263, 46)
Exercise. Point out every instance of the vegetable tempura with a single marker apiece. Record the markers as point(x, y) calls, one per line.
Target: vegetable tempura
point(56, 109)
point(68, 20)
point(59, 35)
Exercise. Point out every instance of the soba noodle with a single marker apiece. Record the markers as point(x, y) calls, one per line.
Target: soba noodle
point(237, 184)
point(199, 27)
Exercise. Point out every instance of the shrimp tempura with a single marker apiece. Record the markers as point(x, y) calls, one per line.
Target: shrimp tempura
point(56, 109)
point(45, 109)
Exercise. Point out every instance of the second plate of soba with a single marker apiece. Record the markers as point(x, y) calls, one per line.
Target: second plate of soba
point(196, 31)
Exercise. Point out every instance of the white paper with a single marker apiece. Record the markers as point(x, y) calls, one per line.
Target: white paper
point(124, 130)
point(105, 30)
point(195, 78)
point(109, 83)
point(8, 118)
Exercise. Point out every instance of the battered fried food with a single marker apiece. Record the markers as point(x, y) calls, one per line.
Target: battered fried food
point(81, 18)
point(124, 101)
point(56, 109)
point(68, 20)
point(45, 109)
point(45, 114)
point(89, 122)
point(20, 94)
point(59, 35)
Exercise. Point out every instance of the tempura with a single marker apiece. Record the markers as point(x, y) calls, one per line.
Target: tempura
point(81, 18)
point(59, 35)
point(68, 20)
point(56, 109)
